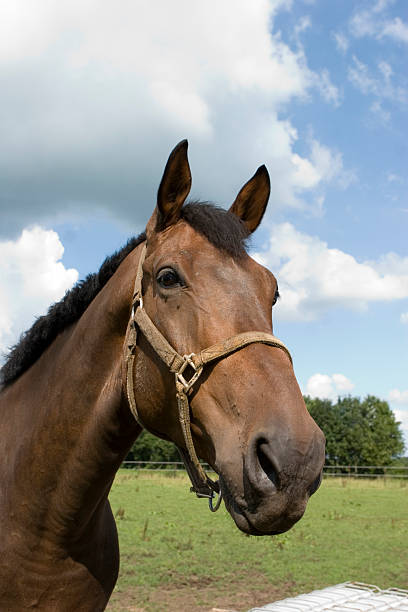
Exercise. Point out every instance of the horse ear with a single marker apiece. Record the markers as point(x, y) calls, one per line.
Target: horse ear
point(250, 203)
point(173, 190)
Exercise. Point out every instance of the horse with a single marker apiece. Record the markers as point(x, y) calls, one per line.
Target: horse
point(174, 334)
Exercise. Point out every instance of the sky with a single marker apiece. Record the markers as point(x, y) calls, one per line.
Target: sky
point(94, 99)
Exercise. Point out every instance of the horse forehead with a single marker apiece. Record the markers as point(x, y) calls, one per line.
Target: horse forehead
point(183, 244)
point(182, 238)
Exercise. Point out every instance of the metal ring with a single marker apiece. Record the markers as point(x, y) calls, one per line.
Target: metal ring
point(137, 303)
point(218, 502)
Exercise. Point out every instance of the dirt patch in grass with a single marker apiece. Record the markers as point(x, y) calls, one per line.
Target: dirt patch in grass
point(200, 594)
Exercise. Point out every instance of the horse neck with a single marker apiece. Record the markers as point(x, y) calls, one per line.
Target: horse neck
point(67, 414)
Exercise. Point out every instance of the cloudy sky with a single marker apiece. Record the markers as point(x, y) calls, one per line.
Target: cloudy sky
point(95, 94)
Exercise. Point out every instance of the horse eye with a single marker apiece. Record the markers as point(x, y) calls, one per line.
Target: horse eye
point(168, 278)
point(276, 297)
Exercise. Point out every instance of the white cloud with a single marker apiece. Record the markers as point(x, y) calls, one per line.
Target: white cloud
point(359, 75)
point(378, 110)
point(305, 175)
point(314, 278)
point(366, 22)
point(373, 22)
point(342, 383)
point(329, 165)
point(31, 277)
point(394, 178)
point(402, 417)
point(324, 386)
point(328, 90)
point(396, 29)
point(398, 397)
point(322, 166)
point(386, 70)
point(380, 86)
point(303, 24)
point(341, 41)
point(391, 263)
point(404, 318)
point(116, 89)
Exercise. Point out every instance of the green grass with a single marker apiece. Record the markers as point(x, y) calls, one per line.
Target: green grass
point(352, 530)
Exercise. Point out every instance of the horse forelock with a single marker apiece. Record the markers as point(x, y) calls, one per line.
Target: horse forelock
point(221, 228)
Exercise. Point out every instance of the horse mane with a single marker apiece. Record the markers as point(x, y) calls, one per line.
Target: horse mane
point(223, 229)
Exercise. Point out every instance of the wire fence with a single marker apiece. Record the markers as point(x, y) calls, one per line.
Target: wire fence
point(330, 471)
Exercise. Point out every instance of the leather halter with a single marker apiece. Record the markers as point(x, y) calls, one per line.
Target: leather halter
point(178, 364)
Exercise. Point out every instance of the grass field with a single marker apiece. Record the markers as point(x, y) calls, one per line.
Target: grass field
point(176, 555)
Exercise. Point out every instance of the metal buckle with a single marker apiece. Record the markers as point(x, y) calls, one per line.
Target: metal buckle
point(188, 361)
point(137, 303)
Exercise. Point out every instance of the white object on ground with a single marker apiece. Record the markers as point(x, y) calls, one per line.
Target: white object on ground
point(345, 597)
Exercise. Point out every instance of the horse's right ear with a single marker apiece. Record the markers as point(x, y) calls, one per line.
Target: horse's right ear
point(173, 190)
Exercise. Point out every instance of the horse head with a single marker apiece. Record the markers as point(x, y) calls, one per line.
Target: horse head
point(199, 287)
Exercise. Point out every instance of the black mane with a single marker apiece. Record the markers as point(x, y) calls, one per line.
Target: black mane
point(223, 229)
point(60, 315)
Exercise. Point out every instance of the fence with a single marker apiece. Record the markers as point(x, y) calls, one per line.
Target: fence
point(366, 471)
point(333, 471)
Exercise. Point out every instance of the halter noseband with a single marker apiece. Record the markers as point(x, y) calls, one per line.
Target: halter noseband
point(202, 485)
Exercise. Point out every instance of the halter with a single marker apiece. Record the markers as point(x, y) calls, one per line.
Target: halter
point(202, 485)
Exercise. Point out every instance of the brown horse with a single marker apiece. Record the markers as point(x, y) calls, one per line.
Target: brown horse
point(69, 385)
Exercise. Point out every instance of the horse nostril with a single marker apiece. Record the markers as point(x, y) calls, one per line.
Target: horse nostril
point(266, 462)
point(315, 484)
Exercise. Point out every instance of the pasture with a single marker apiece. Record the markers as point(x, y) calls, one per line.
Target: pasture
point(176, 555)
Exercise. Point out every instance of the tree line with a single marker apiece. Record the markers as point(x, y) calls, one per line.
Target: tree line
point(358, 432)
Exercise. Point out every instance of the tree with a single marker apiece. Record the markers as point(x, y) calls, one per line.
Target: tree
point(358, 432)
point(151, 448)
point(327, 418)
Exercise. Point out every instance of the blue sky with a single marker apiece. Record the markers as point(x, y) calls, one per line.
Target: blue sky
point(94, 99)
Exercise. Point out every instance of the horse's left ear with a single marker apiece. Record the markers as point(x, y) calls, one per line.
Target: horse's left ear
point(173, 190)
point(250, 203)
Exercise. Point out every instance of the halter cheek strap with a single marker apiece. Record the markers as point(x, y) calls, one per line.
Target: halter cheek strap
point(178, 364)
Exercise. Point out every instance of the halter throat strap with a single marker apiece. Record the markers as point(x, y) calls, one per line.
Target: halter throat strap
point(179, 365)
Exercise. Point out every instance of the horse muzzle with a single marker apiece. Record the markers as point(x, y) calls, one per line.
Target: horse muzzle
point(268, 494)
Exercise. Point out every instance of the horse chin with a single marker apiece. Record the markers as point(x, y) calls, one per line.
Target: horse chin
point(262, 520)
